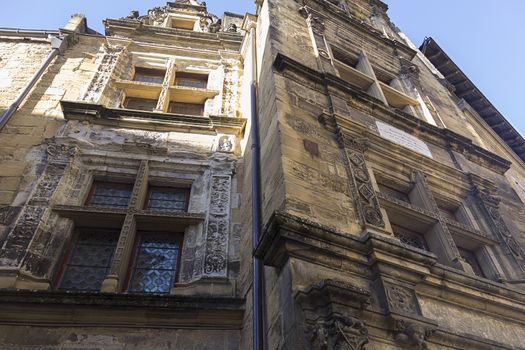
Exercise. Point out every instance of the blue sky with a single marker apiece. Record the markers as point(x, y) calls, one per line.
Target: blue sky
point(484, 38)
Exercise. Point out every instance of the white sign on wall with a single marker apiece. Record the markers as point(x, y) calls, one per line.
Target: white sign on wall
point(403, 138)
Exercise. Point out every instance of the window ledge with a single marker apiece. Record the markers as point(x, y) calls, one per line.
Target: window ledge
point(117, 310)
point(155, 121)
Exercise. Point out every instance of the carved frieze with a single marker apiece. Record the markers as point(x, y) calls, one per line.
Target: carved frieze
point(337, 332)
point(364, 194)
point(107, 58)
point(215, 261)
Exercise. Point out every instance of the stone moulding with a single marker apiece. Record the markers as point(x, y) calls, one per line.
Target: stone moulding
point(399, 118)
point(98, 114)
point(331, 311)
point(118, 310)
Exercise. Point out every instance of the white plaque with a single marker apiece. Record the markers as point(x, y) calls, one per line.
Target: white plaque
point(403, 138)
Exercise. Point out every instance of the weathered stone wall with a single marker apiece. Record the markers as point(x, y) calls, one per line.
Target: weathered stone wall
point(55, 338)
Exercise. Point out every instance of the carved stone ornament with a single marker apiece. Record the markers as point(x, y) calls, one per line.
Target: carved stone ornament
point(363, 191)
point(61, 152)
point(490, 203)
point(107, 58)
point(412, 335)
point(337, 332)
point(401, 299)
point(215, 262)
point(316, 23)
point(225, 144)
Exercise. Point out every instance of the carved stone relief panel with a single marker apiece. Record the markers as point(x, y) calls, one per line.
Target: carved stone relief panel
point(15, 247)
point(215, 262)
point(412, 335)
point(401, 299)
point(363, 191)
point(490, 204)
point(337, 332)
point(331, 312)
point(107, 59)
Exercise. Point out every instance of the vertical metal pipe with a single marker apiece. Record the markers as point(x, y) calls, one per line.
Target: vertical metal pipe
point(257, 267)
point(57, 44)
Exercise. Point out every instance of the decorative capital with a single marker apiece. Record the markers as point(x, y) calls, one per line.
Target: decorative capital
point(60, 152)
point(337, 332)
point(352, 142)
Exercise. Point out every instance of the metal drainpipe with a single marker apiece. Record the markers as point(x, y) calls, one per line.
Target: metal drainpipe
point(257, 266)
point(58, 44)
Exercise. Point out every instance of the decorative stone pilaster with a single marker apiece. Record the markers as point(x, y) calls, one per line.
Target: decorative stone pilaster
point(316, 28)
point(490, 205)
point(360, 182)
point(169, 78)
point(59, 157)
point(218, 224)
point(106, 62)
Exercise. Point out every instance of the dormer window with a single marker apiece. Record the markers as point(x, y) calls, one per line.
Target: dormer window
point(183, 23)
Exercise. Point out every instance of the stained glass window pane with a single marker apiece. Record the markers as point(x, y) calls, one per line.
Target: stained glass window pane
point(168, 199)
point(156, 263)
point(145, 75)
point(90, 260)
point(110, 195)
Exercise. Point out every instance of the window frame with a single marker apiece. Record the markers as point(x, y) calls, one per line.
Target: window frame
point(91, 193)
point(186, 190)
point(134, 257)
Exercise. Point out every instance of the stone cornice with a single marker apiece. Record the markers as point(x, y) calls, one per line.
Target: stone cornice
point(399, 118)
point(119, 310)
point(133, 119)
point(289, 236)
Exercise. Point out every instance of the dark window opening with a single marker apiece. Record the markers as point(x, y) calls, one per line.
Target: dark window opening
point(472, 260)
point(394, 192)
point(109, 194)
point(167, 199)
point(157, 258)
point(146, 75)
point(141, 104)
point(191, 80)
point(345, 58)
point(448, 213)
point(410, 237)
point(89, 260)
point(186, 108)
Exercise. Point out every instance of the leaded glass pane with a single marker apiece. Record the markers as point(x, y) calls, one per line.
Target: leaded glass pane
point(410, 238)
point(141, 104)
point(168, 199)
point(156, 264)
point(111, 195)
point(90, 261)
point(145, 75)
point(191, 80)
point(186, 108)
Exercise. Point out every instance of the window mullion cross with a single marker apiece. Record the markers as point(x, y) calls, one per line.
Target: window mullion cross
point(422, 196)
point(365, 67)
point(114, 282)
point(169, 79)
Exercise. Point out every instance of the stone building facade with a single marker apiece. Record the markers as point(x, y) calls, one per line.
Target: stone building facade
point(391, 190)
